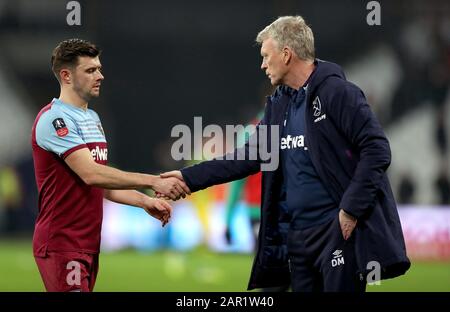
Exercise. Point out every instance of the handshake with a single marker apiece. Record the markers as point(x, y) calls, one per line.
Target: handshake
point(167, 186)
point(171, 186)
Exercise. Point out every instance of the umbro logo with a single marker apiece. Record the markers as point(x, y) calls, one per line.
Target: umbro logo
point(337, 253)
point(338, 258)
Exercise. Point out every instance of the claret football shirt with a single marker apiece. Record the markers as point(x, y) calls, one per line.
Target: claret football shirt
point(70, 211)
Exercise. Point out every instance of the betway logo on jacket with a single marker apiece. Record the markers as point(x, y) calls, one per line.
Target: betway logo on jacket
point(99, 154)
point(290, 142)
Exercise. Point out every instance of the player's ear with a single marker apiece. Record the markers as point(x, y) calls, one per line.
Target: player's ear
point(287, 55)
point(65, 75)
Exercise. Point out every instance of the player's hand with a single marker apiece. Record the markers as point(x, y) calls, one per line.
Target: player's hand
point(159, 209)
point(175, 174)
point(347, 223)
point(162, 196)
point(170, 187)
point(174, 178)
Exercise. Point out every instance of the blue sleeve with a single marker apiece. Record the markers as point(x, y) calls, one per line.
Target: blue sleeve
point(57, 133)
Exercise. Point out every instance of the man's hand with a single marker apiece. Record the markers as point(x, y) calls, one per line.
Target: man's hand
point(347, 223)
point(170, 185)
point(159, 209)
point(173, 179)
point(175, 174)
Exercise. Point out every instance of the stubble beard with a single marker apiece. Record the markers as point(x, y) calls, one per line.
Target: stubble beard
point(86, 95)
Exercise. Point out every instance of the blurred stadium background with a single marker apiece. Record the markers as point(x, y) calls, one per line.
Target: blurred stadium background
point(168, 61)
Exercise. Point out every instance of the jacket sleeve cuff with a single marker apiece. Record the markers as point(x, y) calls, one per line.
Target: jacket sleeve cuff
point(187, 177)
point(349, 213)
point(354, 206)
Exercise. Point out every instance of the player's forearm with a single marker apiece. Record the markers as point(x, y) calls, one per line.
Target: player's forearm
point(126, 197)
point(112, 178)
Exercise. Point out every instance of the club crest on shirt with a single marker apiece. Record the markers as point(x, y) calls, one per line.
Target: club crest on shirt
point(317, 106)
point(60, 127)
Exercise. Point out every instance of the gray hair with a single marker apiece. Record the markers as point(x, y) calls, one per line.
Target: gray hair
point(290, 31)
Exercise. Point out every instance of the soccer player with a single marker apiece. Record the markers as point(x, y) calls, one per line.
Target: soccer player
point(70, 155)
point(328, 218)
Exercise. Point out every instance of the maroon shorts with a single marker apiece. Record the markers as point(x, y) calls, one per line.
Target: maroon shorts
point(68, 271)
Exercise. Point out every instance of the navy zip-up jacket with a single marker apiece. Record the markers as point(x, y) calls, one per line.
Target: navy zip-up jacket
point(350, 153)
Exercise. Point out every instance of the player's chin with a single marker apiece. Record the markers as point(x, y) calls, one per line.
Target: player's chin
point(95, 93)
point(274, 81)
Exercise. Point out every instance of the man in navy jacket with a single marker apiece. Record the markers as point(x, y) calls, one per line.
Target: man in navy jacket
point(328, 218)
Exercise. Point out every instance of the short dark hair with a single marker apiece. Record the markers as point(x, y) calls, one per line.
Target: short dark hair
point(67, 52)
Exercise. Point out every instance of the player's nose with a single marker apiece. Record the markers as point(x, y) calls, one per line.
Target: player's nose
point(263, 65)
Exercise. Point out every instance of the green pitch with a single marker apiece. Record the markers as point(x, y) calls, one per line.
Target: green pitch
point(199, 270)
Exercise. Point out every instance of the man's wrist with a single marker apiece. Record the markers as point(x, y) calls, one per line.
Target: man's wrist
point(348, 215)
point(145, 201)
point(150, 181)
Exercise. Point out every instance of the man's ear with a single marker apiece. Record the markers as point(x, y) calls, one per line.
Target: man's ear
point(65, 76)
point(287, 55)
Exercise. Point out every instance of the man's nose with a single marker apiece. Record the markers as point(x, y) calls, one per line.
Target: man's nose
point(263, 65)
point(100, 76)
